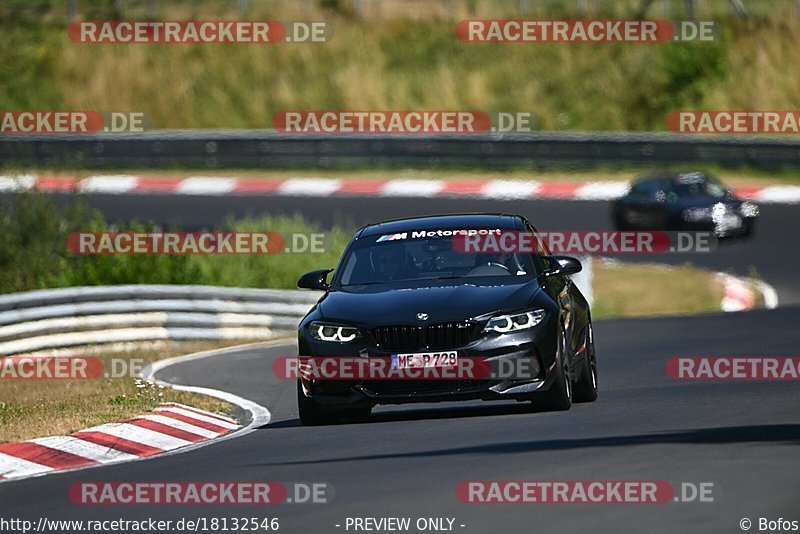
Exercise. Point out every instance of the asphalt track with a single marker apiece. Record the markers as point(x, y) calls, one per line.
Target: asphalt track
point(741, 436)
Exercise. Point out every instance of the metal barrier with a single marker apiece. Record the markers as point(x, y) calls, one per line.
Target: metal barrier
point(59, 318)
point(271, 150)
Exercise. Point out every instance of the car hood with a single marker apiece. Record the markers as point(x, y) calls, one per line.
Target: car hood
point(371, 305)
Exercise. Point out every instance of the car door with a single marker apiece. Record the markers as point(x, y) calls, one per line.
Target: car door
point(561, 289)
point(646, 207)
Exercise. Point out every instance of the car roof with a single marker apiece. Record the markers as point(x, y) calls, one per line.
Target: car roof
point(436, 222)
point(670, 177)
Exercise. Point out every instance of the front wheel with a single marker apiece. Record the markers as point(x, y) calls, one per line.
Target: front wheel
point(310, 412)
point(585, 389)
point(559, 396)
point(620, 224)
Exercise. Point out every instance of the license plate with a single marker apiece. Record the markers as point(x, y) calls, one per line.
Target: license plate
point(425, 359)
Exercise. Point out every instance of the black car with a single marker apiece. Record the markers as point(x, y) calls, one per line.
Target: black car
point(402, 289)
point(692, 201)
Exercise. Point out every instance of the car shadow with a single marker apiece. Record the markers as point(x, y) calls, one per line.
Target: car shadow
point(457, 412)
point(785, 433)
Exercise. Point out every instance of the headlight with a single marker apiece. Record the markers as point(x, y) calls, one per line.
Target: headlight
point(514, 322)
point(332, 332)
point(748, 209)
point(696, 214)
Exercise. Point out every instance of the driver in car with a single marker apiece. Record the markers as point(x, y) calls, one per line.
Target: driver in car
point(390, 262)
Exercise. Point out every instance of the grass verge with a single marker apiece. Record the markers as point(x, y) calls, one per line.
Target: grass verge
point(37, 408)
point(639, 290)
point(403, 59)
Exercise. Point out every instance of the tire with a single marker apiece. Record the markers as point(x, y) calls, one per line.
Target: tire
point(559, 396)
point(620, 220)
point(585, 389)
point(749, 230)
point(619, 223)
point(310, 412)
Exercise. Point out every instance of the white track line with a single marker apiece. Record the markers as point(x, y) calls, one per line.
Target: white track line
point(144, 436)
point(199, 417)
point(769, 293)
point(109, 184)
point(204, 185)
point(260, 416)
point(400, 187)
point(779, 194)
point(740, 296)
point(601, 191)
point(412, 188)
point(21, 182)
point(509, 189)
point(180, 425)
point(83, 448)
point(19, 468)
point(311, 187)
point(225, 418)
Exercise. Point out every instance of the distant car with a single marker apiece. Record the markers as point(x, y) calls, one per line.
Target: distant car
point(402, 292)
point(684, 201)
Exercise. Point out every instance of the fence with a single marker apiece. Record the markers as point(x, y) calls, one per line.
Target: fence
point(270, 150)
point(386, 9)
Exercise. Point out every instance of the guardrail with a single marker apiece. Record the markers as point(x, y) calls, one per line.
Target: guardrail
point(272, 150)
point(59, 318)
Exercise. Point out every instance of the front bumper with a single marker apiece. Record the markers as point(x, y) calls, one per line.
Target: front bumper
point(536, 346)
point(729, 224)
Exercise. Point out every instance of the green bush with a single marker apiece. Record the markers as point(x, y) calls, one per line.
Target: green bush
point(33, 236)
point(34, 254)
point(272, 270)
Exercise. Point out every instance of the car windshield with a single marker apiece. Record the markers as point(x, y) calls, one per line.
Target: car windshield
point(388, 259)
point(697, 186)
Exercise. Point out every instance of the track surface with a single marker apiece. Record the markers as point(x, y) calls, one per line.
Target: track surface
point(741, 436)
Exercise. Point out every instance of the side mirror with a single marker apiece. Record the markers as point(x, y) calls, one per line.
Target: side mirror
point(563, 265)
point(315, 280)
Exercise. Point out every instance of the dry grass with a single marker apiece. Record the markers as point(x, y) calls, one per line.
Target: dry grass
point(36, 408)
point(410, 59)
point(639, 290)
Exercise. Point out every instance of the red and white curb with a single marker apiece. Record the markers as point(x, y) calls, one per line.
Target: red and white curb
point(168, 427)
point(330, 187)
point(740, 295)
